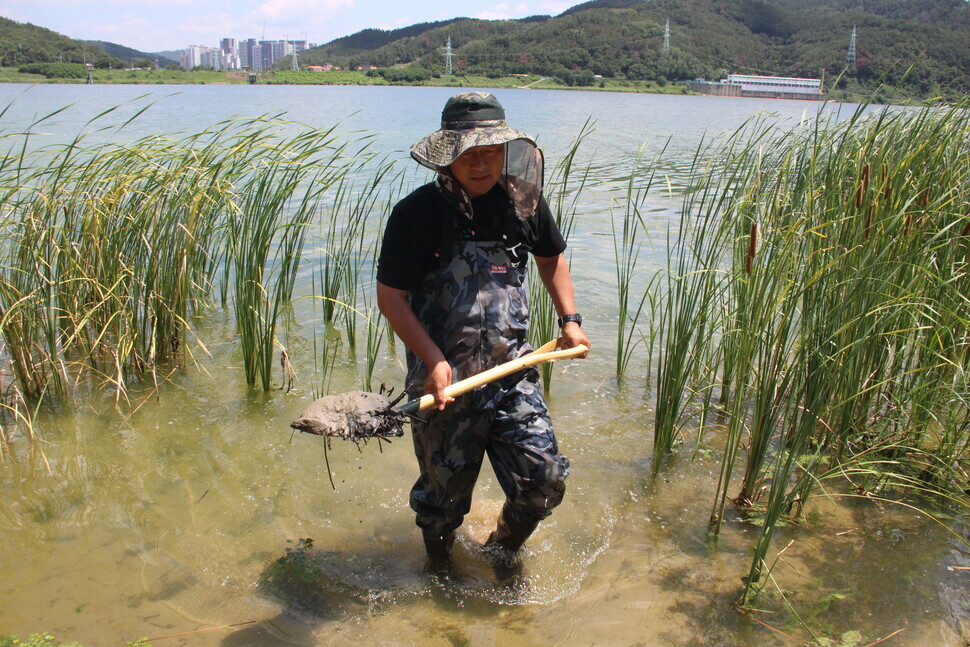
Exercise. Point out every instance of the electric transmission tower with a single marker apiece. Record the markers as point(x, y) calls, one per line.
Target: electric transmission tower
point(294, 64)
point(448, 55)
point(850, 55)
point(667, 37)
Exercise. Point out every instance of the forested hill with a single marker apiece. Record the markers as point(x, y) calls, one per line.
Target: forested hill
point(132, 56)
point(23, 43)
point(371, 39)
point(708, 38)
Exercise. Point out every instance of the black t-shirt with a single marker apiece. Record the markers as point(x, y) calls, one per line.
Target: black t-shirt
point(422, 228)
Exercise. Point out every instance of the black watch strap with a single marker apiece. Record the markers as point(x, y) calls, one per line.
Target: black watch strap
point(563, 320)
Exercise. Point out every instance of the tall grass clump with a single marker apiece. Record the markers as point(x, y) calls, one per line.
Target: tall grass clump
point(280, 187)
point(689, 289)
point(108, 251)
point(628, 238)
point(353, 226)
point(344, 279)
point(819, 282)
point(565, 185)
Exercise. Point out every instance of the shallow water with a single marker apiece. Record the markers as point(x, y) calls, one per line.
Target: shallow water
point(170, 522)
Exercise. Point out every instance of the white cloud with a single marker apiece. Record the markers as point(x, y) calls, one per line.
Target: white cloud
point(502, 11)
point(397, 24)
point(298, 11)
point(506, 11)
point(555, 7)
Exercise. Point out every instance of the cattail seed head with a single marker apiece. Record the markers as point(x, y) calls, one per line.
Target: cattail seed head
point(752, 247)
point(863, 186)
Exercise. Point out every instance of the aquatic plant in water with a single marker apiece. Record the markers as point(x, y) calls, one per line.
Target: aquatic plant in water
point(827, 267)
point(563, 192)
point(280, 188)
point(109, 251)
point(816, 287)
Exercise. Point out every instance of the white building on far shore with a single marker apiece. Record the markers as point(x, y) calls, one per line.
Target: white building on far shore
point(767, 87)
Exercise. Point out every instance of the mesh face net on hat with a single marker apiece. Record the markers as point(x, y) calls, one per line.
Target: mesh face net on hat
point(473, 119)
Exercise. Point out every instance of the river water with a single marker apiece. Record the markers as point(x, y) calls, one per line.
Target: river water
point(168, 522)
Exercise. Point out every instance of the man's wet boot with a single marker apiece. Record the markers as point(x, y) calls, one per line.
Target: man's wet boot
point(510, 534)
point(439, 550)
point(504, 544)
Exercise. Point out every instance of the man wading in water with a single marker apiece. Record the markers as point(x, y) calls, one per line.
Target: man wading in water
point(451, 281)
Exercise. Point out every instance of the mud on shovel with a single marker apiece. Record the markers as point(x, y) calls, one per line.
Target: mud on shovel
point(359, 415)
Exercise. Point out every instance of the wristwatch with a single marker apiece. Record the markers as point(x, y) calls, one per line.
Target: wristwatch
point(563, 320)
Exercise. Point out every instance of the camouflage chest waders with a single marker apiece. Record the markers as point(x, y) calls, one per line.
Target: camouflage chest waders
point(476, 309)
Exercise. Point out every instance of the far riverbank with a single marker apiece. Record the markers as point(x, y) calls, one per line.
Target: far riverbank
point(342, 77)
point(288, 77)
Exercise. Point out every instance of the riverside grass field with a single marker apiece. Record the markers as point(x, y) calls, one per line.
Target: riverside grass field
point(335, 77)
point(804, 336)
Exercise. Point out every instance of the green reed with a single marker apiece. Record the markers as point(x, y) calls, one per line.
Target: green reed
point(101, 252)
point(565, 187)
point(689, 294)
point(832, 262)
point(338, 268)
point(350, 245)
point(108, 251)
point(378, 329)
point(368, 208)
point(280, 192)
point(324, 343)
point(628, 240)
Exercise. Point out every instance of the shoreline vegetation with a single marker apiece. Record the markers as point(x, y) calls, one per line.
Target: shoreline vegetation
point(810, 326)
point(339, 77)
point(346, 77)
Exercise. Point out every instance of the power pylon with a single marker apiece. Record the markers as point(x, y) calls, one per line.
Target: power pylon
point(850, 55)
point(667, 37)
point(448, 55)
point(294, 64)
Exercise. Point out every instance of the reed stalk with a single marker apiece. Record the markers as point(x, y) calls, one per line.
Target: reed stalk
point(628, 240)
point(280, 195)
point(108, 250)
point(842, 272)
point(564, 189)
point(375, 338)
point(690, 290)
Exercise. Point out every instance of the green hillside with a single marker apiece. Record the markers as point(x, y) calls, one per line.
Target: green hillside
point(23, 43)
point(920, 46)
point(132, 56)
point(371, 39)
point(624, 39)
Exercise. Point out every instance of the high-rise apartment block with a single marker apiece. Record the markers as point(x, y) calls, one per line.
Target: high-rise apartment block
point(249, 54)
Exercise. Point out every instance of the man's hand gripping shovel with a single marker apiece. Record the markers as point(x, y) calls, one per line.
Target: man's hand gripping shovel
point(360, 415)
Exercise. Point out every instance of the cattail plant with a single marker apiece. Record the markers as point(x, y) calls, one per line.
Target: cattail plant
point(628, 239)
point(110, 250)
point(563, 192)
point(266, 235)
point(843, 342)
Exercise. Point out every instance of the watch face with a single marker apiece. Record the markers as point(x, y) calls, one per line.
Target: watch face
point(567, 318)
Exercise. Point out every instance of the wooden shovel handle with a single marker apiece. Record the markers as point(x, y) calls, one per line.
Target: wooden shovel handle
point(541, 355)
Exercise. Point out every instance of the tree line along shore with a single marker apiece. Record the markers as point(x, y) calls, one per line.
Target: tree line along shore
point(385, 77)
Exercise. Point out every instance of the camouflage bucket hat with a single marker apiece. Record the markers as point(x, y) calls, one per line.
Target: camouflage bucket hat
point(469, 119)
point(473, 119)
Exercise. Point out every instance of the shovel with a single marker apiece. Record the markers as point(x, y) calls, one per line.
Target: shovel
point(359, 415)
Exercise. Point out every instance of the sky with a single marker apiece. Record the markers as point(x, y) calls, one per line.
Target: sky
point(166, 25)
